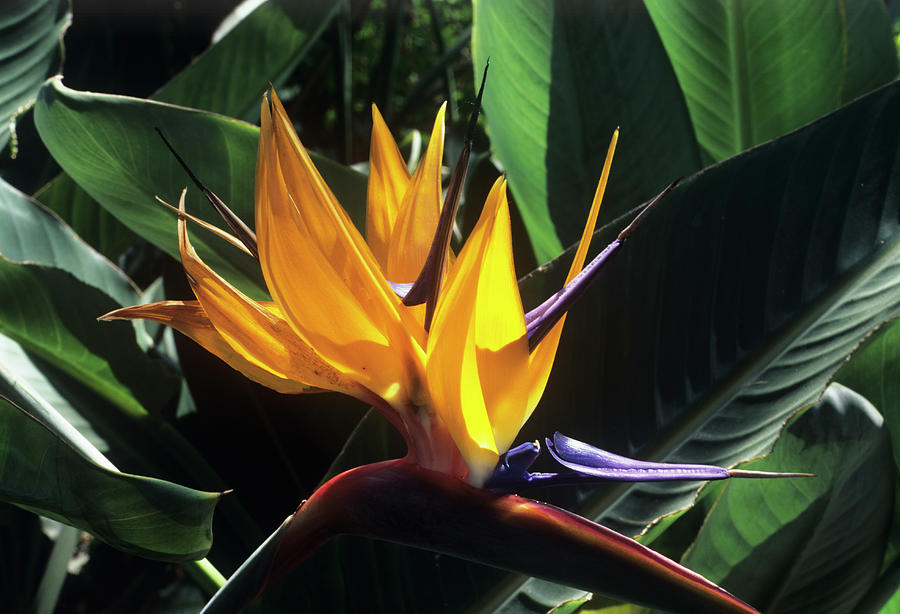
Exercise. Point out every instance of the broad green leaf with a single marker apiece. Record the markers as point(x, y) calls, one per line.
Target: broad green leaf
point(54, 287)
point(92, 222)
point(31, 233)
point(266, 45)
point(810, 544)
point(30, 35)
point(731, 307)
point(752, 71)
point(563, 76)
point(109, 146)
point(144, 516)
point(26, 380)
point(262, 48)
point(874, 372)
point(53, 315)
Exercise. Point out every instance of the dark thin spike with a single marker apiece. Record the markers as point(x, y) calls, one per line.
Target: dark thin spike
point(646, 211)
point(428, 283)
point(237, 225)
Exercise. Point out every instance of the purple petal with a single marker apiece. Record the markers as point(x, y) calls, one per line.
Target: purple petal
point(541, 319)
point(588, 460)
point(400, 288)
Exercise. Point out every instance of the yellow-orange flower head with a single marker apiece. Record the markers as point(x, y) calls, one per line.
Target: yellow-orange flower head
point(459, 390)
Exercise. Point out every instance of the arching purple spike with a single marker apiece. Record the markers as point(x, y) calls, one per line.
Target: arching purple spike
point(588, 460)
point(427, 285)
point(541, 319)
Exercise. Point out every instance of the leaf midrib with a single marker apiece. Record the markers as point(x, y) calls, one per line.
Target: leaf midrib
point(731, 387)
point(737, 57)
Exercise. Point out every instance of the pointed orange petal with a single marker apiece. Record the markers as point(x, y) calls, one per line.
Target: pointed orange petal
point(388, 182)
point(419, 212)
point(543, 355)
point(256, 333)
point(478, 350)
point(321, 273)
point(188, 318)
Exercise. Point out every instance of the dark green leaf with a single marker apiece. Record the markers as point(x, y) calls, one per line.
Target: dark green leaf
point(53, 315)
point(109, 146)
point(266, 45)
point(563, 75)
point(144, 516)
point(732, 306)
point(262, 48)
point(30, 233)
point(30, 35)
point(806, 544)
point(874, 372)
point(754, 71)
point(54, 287)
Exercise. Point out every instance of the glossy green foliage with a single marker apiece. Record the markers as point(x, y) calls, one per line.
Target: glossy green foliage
point(751, 71)
point(152, 518)
point(732, 307)
point(109, 145)
point(557, 70)
point(267, 44)
point(812, 543)
point(30, 36)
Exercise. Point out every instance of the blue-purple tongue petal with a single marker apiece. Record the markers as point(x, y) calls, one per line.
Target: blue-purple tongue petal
point(588, 460)
point(400, 288)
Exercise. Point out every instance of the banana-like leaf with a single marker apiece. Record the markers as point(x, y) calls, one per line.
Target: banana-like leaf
point(108, 145)
point(32, 234)
point(265, 45)
point(30, 36)
point(263, 48)
point(55, 354)
point(730, 308)
point(42, 473)
point(814, 544)
point(733, 304)
point(398, 501)
point(874, 372)
point(54, 286)
point(560, 72)
point(753, 71)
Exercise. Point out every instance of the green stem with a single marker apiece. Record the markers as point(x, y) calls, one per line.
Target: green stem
point(205, 575)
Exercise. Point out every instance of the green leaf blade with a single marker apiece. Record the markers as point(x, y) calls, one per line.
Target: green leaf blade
point(30, 35)
point(806, 544)
point(109, 145)
point(563, 76)
point(144, 516)
point(752, 72)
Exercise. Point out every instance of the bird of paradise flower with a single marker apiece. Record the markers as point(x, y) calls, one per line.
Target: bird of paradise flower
point(440, 344)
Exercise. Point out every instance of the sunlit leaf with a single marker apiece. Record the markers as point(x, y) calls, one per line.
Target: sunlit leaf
point(265, 45)
point(732, 306)
point(145, 516)
point(752, 71)
point(812, 544)
point(563, 76)
point(108, 144)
